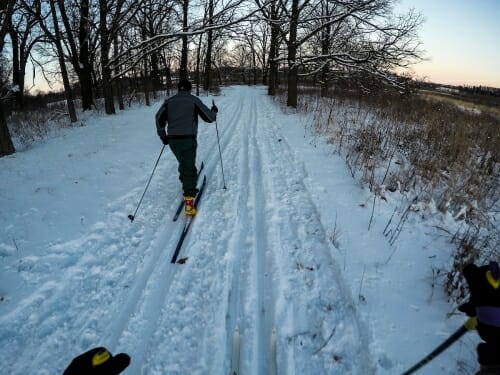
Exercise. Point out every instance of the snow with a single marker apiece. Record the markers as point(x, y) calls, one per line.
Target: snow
point(285, 247)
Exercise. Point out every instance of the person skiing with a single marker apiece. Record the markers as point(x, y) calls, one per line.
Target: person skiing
point(98, 361)
point(181, 112)
point(484, 304)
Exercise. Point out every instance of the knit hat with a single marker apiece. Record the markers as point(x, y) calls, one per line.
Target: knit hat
point(98, 361)
point(184, 85)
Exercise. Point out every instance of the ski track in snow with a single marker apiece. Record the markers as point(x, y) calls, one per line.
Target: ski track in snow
point(257, 258)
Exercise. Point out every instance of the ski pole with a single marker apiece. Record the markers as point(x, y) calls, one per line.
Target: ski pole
point(220, 153)
point(469, 325)
point(132, 217)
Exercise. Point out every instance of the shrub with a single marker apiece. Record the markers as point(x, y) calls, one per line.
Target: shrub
point(429, 150)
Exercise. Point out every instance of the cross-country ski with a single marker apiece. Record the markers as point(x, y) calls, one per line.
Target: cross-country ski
point(189, 221)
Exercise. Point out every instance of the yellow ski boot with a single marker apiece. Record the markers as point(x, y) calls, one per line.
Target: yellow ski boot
point(189, 208)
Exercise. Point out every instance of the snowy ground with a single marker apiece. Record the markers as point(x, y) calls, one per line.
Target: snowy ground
point(285, 247)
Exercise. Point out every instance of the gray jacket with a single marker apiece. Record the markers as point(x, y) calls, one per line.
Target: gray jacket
point(181, 112)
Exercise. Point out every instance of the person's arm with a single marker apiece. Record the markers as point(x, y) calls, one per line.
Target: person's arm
point(204, 112)
point(161, 122)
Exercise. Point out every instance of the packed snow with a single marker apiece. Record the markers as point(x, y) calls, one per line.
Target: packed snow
point(286, 247)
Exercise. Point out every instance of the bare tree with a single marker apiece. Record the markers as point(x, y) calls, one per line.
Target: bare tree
point(113, 16)
point(207, 83)
point(105, 40)
point(24, 35)
point(372, 40)
point(230, 14)
point(79, 46)
point(273, 13)
point(6, 145)
point(56, 39)
point(183, 70)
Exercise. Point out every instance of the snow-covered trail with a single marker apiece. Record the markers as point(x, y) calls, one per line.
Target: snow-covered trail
point(258, 258)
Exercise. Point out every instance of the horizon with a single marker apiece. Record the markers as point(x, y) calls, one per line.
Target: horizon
point(459, 38)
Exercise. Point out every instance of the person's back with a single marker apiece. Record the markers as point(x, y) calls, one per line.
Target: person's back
point(181, 113)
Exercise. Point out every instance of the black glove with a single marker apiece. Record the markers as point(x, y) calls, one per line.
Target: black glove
point(98, 361)
point(468, 308)
point(164, 139)
point(214, 108)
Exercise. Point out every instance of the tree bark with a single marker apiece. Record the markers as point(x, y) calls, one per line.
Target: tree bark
point(84, 70)
point(145, 83)
point(183, 73)
point(198, 63)
point(273, 52)
point(118, 81)
point(6, 9)
point(80, 58)
point(109, 104)
point(6, 145)
point(325, 50)
point(14, 38)
point(207, 84)
point(67, 87)
point(292, 56)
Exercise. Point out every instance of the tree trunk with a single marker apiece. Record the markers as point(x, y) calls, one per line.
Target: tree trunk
point(6, 10)
point(16, 70)
point(198, 63)
point(145, 83)
point(85, 68)
point(118, 81)
point(273, 52)
point(6, 145)
point(80, 58)
point(169, 79)
point(155, 74)
point(254, 65)
point(292, 55)
point(109, 104)
point(183, 73)
point(67, 87)
point(207, 84)
point(325, 50)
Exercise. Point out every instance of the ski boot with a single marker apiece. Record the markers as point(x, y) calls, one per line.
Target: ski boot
point(189, 208)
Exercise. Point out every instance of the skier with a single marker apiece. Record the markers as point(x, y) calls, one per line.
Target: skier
point(181, 112)
point(98, 361)
point(484, 304)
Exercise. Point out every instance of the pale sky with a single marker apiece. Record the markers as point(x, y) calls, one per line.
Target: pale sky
point(462, 40)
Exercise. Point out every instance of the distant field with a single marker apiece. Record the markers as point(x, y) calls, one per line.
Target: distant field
point(472, 103)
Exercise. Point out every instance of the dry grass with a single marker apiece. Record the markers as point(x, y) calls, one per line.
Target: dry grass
point(461, 102)
point(431, 150)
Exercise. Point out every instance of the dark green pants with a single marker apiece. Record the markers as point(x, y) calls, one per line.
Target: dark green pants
point(184, 150)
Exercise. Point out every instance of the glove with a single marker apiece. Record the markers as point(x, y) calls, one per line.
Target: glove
point(214, 108)
point(164, 139)
point(98, 361)
point(468, 308)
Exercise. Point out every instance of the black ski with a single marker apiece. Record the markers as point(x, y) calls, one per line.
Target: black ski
point(188, 222)
point(179, 209)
